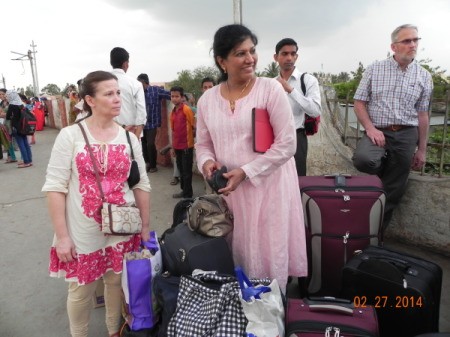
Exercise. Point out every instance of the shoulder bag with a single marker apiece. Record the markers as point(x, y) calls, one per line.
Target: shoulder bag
point(116, 219)
point(209, 215)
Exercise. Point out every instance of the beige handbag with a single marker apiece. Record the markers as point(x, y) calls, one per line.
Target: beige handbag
point(121, 220)
point(116, 219)
point(209, 215)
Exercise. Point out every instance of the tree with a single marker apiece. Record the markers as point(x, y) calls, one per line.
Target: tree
point(440, 83)
point(67, 89)
point(357, 75)
point(191, 81)
point(29, 91)
point(51, 89)
point(272, 70)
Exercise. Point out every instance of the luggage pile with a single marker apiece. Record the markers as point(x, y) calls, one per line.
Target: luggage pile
point(355, 286)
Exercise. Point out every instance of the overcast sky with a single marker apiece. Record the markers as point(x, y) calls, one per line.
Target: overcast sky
point(165, 37)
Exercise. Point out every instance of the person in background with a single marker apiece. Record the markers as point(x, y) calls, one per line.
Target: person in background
point(286, 54)
point(133, 115)
point(29, 105)
point(80, 252)
point(182, 123)
point(262, 192)
point(15, 106)
point(73, 112)
point(9, 146)
point(153, 100)
point(207, 83)
point(391, 103)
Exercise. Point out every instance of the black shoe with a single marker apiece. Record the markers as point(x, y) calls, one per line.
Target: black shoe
point(178, 195)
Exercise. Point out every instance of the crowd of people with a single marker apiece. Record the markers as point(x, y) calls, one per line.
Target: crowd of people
point(269, 233)
point(12, 138)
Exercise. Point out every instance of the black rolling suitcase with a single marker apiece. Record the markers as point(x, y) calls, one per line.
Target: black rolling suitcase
point(405, 290)
point(342, 214)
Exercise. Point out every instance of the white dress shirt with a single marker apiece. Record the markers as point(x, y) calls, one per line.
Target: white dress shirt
point(133, 110)
point(301, 104)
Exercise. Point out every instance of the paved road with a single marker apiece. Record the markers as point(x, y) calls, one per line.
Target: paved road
point(31, 303)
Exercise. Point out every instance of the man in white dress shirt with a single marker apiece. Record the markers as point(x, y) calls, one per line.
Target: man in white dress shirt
point(133, 114)
point(301, 104)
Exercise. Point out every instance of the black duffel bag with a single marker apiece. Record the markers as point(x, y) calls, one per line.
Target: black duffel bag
point(184, 250)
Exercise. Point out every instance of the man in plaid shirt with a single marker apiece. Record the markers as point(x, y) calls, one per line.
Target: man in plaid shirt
point(153, 97)
point(391, 103)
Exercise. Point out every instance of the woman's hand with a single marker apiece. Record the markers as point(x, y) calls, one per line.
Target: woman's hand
point(65, 249)
point(145, 233)
point(209, 167)
point(235, 177)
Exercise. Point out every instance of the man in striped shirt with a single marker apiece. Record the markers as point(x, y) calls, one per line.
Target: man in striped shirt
point(391, 103)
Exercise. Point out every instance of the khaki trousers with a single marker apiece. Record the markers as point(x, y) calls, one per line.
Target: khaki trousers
point(79, 304)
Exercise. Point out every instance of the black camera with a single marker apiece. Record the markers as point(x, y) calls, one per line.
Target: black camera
point(217, 180)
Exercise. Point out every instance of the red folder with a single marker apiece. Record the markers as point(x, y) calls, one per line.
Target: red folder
point(262, 130)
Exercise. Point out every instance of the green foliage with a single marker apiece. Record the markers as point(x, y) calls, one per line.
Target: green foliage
point(51, 89)
point(440, 82)
point(272, 70)
point(357, 75)
point(67, 89)
point(29, 91)
point(191, 81)
point(438, 135)
point(346, 89)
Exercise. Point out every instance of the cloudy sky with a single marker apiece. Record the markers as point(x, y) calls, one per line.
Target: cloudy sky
point(165, 37)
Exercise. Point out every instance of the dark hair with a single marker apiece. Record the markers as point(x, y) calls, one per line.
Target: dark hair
point(285, 42)
point(118, 56)
point(178, 89)
point(143, 77)
point(3, 90)
point(23, 97)
point(208, 79)
point(89, 86)
point(225, 39)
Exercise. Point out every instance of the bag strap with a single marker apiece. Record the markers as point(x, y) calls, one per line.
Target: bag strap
point(248, 290)
point(302, 83)
point(94, 162)
point(129, 142)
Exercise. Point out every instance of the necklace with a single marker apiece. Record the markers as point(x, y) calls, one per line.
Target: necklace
point(233, 101)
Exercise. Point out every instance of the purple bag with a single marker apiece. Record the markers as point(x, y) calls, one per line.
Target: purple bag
point(139, 269)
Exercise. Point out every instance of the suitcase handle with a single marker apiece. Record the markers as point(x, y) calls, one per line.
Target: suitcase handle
point(331, 308)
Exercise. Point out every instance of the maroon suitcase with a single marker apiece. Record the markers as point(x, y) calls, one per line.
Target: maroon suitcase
point(329, 317)
point(343, 214)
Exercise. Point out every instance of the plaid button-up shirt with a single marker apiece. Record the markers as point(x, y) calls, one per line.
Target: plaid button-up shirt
point(153, 98)
point(394, 96)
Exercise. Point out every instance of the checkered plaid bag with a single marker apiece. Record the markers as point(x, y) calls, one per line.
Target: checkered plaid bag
point(208, 305)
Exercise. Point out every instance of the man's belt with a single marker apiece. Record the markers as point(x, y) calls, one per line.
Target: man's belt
point(396, 127)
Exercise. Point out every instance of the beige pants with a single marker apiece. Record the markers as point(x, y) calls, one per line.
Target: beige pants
point(79, 304)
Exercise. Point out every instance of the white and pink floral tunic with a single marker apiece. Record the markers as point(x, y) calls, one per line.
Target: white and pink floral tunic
point(70, 171)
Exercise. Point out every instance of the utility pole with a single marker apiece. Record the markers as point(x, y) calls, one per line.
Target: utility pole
point(30, 57)
point(237, 11)
point(36, 88)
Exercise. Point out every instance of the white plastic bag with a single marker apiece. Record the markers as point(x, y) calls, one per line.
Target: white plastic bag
point(263, 307)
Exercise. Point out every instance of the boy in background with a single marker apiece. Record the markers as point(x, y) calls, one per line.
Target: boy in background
point(182, 123)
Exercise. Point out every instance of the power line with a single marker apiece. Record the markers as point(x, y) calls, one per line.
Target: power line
point(30, 55)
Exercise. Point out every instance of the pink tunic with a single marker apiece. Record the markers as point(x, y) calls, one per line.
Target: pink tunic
point(269, 234)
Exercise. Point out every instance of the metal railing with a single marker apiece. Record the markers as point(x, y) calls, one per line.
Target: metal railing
point(438, 148)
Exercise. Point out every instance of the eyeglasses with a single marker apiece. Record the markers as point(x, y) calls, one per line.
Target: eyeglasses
point(408, 41)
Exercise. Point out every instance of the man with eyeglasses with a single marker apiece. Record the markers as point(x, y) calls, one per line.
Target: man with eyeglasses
point(391, 103)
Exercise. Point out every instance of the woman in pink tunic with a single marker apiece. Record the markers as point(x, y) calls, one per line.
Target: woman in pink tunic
point(262, 191)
